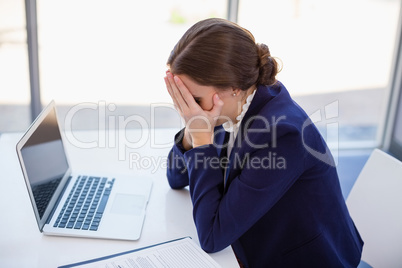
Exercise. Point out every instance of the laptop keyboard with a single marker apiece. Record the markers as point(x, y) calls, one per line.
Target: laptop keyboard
point(43, 193)
point(85, 204)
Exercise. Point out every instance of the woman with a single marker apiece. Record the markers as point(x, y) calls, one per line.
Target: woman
point(260, 175)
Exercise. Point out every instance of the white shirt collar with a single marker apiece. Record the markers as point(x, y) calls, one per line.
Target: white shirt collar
point(229, 126)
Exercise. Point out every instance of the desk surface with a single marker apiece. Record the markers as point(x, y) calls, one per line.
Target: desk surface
point(140, 153)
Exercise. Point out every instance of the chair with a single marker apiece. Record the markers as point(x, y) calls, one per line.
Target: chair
point(375, 204)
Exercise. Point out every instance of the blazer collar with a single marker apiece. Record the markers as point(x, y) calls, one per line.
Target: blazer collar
point(262, 97)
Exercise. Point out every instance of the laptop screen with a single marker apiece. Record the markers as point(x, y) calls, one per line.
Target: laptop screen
point(44, 160)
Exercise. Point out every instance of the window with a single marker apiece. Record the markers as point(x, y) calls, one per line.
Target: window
point(14, 77)
point(113, 53)
point(336, 54)
point(337, 58)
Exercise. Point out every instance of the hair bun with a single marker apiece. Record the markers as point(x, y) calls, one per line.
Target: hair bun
point(267, 64)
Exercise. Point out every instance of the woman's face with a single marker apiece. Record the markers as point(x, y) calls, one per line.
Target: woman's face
point(203, 96)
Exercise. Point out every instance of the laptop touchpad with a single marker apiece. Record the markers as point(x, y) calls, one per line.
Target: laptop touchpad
point(128, 204)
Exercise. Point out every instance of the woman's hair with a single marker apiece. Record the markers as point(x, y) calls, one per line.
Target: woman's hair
point(220, 53)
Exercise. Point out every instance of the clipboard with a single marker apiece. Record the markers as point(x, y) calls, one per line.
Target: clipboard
point(181, 252)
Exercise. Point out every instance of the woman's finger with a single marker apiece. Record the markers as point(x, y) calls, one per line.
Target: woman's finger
point(172, 95)
point(177, 94)
point(168, 87)
point(216, 110)
point(187, 96)
point(170, 90)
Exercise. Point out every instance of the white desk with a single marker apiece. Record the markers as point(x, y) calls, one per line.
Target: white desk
point(169, 212)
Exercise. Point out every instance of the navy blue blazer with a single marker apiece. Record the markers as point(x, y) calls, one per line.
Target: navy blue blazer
point(282, 204)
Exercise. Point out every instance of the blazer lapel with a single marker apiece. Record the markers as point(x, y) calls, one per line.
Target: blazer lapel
point(263, 95)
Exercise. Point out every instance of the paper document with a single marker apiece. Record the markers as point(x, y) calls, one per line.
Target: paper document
point(178, 253)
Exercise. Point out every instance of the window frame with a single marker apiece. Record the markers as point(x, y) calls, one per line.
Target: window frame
point(385, 127)
point(394, 99)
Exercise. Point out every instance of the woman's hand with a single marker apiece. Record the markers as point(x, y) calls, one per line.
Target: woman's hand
point(199, 123)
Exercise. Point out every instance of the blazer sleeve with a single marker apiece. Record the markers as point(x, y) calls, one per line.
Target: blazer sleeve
point(177, 174)
point(221, 219)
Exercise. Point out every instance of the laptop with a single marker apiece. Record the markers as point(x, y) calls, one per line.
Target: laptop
point(71, 203)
